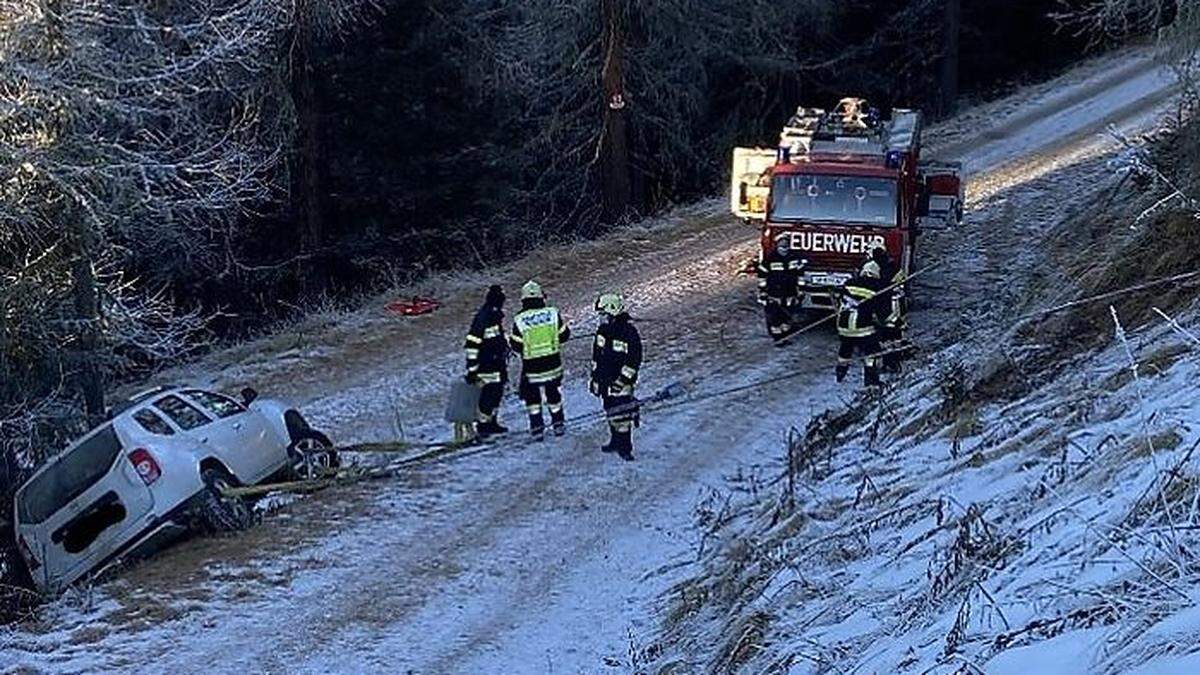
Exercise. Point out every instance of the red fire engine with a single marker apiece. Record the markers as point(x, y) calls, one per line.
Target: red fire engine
point(840, 184)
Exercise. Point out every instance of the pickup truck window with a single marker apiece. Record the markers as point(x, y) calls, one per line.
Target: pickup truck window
point(834, 199)
point(69, 476)
point(151, 422)
point(216, 404)
point(183, 413)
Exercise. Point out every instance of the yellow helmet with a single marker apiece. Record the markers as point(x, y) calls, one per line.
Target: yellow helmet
point(611, 304)
point(870, 270)
point(531, 290)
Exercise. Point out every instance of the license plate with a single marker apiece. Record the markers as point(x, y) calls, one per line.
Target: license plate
point(826, 279)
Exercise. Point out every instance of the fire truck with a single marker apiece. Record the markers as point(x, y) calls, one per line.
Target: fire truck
point(840, 184)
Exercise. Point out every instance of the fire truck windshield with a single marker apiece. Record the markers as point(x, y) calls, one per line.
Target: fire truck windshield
point(834, 199)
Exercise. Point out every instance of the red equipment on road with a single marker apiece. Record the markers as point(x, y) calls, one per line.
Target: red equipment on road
point(414, 307)
point(840, 184)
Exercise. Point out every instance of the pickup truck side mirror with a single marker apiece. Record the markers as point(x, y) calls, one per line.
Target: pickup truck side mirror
point(249, 395)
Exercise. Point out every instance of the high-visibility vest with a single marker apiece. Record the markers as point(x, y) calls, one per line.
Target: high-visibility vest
point(539, 332)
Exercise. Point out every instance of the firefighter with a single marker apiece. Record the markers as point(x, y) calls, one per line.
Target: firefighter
point(537, 335)
point(857, 314)
point(780, 272)
point(616, 358)
point(892, 305)
point(487, 359)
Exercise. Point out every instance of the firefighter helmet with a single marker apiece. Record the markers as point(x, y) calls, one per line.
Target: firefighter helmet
point(532, 290)
point(870, 270)
point(611, 304)
point(881, 256)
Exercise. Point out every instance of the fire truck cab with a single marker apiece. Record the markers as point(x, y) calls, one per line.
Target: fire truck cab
point(839, 184)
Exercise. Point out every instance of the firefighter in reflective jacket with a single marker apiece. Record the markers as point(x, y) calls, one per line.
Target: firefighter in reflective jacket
point(779, 275)
point(857, 314)
point(892, 305)
point(616, 358)
point(537, 335)
point(487, 358)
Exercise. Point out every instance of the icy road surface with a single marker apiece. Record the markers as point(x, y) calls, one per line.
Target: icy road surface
point(530, 558)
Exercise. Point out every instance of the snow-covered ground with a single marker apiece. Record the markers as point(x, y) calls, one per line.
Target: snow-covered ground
point(548, 558)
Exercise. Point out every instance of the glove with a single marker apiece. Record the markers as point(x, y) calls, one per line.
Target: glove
point(471, 377)
point(594, 387)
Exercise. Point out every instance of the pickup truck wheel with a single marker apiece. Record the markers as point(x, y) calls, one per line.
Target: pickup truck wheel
point(311, 455)
point(220, 512)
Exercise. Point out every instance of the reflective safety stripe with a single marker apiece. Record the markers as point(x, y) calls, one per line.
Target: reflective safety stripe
point(600, 341)
point(539, 332)
point(472, 354)
point(847, 325)
point(860, 292)
point(629, 372)
point(489, 378)
point(534, 408)
point(620, 390)
point(620, 346)
point(474, 338)
point(555, 408)
point(542, 378)
point(492, 332)
point(856, 332)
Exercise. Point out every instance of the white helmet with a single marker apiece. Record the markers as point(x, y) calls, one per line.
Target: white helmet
point(870, 270)
point(532, 290)
point(611, 304)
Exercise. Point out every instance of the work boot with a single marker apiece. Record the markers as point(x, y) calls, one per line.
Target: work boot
point(612, 444)
point(623, 445)
point(871, 377)
point(559, 422)
point(537, 427)
point(490, 428)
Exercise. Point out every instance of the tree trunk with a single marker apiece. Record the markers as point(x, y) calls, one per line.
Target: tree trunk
point(948, 84)
point(85, 292)
point(310, 217)
point(86, 297)
point(616, 184)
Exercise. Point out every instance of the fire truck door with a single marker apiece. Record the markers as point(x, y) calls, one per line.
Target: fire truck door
point(751, 182)
point(941, 198)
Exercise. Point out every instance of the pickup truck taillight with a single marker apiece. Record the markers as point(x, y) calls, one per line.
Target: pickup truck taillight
point(146, 467)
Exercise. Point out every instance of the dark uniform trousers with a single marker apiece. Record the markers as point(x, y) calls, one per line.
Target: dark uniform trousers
point(486, 351)
point(779, 290)
point(857, 332)
point(891, 332)
point(616, 360)
point(532, 395)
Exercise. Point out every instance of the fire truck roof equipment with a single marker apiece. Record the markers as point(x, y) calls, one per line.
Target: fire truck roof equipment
point(851, 129)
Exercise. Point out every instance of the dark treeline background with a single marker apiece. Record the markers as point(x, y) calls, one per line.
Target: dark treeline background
point(464, 134)
point(178, 172)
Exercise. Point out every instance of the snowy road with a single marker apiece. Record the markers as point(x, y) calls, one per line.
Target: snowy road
point(531, 558)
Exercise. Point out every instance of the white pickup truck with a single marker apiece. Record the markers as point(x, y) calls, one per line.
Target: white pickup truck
point(159, 466)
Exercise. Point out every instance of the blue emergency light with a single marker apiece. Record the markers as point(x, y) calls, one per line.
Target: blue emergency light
point(893, 158)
